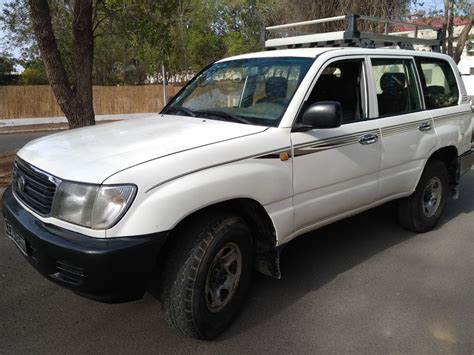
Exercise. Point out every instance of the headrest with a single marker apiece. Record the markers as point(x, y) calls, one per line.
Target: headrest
point(328, 83)
point(276, 87)
point(393, 83)
point(327, 79)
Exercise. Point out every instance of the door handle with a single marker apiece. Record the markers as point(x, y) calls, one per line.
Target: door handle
point(425, 126)
point(369, 138)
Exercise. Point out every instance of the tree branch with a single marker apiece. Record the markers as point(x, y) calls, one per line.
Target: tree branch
point(463, 37)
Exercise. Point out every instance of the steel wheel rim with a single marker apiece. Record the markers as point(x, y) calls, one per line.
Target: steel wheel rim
point(223, 277)
point(432, 197)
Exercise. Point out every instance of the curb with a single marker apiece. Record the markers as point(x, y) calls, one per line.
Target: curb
point(30, 130)
point(15, 122)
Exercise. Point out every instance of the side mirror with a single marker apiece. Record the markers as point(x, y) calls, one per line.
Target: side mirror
point(323, 114)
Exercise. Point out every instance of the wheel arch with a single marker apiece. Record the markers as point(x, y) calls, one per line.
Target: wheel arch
point(449, 156)
point(262, 228)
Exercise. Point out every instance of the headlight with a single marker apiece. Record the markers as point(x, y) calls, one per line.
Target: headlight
point(93, 206)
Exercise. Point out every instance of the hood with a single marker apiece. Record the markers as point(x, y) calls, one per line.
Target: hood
point(94, 153)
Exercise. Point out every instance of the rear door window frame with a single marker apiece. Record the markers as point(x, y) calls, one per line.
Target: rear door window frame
point(416, 78)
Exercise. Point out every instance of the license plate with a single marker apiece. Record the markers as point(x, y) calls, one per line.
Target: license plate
point(14, 235)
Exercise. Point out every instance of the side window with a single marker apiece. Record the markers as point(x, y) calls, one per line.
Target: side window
point(396, 86)
point(439, 83)
point(343, 81)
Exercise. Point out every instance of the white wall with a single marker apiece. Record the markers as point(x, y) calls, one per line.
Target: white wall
point(469, 84)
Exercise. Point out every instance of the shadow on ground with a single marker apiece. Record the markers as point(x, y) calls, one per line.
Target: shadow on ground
point(316, 258)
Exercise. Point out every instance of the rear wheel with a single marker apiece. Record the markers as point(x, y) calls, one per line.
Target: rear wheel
point(421, 211)
point(207, 275)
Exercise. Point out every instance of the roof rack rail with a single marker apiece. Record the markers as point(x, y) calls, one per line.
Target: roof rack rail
point(351, 37)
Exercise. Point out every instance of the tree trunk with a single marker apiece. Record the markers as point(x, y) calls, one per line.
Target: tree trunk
point(444, 35)
point(75, 100)
point(450, 27)
point(463, 37)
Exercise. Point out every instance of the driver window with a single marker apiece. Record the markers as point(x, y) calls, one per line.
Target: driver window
point(344, 82)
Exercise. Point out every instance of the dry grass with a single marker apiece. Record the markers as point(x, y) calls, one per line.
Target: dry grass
point(6, 164)
point(39, 101)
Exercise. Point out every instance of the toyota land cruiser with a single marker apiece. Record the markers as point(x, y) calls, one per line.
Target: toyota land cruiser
point(253, 152)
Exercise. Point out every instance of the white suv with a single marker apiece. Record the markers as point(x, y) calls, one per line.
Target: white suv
point(256, 150)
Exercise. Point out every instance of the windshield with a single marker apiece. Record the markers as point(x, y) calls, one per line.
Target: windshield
point(254, 91)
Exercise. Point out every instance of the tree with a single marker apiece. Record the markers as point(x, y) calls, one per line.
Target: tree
point(452, 12)
point(6, 64)
point(452, 9)
point(285, 11)
point(133, 38)
point(463, 37)
point(34, 73)
point(6, 69)
point(74, 96)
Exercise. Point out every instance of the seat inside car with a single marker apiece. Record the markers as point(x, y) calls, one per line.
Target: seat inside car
point(275, 91)
point(394, 96)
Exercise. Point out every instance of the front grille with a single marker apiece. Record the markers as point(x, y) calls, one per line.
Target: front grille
point(34, 187)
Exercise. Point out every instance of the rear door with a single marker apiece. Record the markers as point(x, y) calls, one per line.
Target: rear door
point(407, 130)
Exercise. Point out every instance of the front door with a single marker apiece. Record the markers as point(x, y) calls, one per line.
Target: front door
point(336, 170)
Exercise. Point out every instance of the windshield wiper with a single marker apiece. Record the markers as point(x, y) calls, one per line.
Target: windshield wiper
point(183, 109)
point(225, 115)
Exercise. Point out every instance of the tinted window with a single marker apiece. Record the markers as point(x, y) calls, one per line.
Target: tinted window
point(439, 83)
point(396, 86)
point(343, 82)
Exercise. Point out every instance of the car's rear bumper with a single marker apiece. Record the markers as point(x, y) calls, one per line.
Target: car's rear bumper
point(466, 161)
point(107, 270)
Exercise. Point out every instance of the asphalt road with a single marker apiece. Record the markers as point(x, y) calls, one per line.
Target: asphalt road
point(362, 285)
point(15, 141)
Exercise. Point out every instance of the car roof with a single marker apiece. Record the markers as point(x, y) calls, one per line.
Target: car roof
point(298, 52)
point(314, 52)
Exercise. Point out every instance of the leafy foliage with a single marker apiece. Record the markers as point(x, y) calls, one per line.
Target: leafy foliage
point(7, 66)
point(133, 38)
point(34, 73)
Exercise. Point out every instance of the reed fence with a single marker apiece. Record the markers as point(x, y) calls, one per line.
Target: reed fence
point(39, 101)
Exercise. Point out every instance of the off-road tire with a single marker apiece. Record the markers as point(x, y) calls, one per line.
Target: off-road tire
point(410, 209)
point(188, 261)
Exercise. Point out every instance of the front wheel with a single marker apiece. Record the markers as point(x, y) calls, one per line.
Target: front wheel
point(207, 275)
point(421, 211)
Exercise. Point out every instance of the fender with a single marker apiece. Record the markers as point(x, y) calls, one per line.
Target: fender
point(191, 181)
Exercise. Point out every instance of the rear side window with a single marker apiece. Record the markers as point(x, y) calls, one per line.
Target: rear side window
point(396, 86)
point(439, 84)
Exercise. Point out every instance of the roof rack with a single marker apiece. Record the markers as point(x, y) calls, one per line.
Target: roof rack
point(351, 37)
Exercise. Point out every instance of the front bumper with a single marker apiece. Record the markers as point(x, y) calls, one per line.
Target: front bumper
point(106, 270)
point(466, 161)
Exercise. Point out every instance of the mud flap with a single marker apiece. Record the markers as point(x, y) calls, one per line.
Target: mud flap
point(268, 263)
